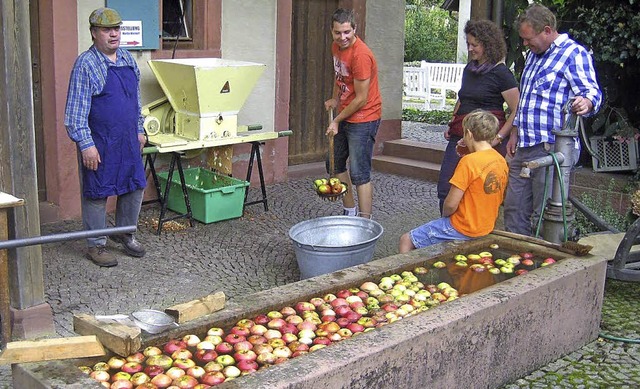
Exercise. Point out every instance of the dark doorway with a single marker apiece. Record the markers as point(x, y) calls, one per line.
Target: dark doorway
point(311, 79)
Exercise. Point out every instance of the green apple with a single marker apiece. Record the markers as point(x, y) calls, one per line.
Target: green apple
point(318, 182)
point(460, 257)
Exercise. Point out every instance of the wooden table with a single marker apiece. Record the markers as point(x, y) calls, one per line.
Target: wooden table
point(7, 201)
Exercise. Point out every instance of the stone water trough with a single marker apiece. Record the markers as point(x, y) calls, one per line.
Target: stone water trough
point(484, 339)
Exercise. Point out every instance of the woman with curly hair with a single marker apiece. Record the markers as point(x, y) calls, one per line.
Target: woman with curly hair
point(487, 84)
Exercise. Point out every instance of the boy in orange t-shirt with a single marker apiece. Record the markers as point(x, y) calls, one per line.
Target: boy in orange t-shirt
point(477, 189)
point(356, 96)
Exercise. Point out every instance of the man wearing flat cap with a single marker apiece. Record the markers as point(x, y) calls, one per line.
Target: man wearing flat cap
point(103, 117)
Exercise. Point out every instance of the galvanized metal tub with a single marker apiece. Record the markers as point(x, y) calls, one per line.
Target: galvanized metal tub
point(327, 244)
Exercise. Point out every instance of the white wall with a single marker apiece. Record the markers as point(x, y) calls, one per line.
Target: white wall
point(248, 34)
point(149, 87)
point(385, 37)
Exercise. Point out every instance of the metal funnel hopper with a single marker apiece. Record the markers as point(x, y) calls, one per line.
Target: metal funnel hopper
point(206, 93)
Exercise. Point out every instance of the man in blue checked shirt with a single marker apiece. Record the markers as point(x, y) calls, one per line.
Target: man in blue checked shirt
point(103, 118)
point(556, 70)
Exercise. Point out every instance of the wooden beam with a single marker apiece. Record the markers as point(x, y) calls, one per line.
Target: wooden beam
point(50, 349)
point(197, 308)
point(119, 338)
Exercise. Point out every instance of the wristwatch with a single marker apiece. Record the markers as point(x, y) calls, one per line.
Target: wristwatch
point(500, 137)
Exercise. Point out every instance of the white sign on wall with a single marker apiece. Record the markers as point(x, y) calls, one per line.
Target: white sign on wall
point(131, 33)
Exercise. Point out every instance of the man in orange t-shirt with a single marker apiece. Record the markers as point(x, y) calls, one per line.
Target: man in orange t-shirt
point(356, 95)
point(477, 189)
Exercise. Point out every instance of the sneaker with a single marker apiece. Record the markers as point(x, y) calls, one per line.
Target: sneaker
point(130, 244)
point(101, 257)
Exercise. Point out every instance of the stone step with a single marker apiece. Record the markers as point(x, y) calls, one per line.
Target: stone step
point(407, 167)
point(420, 151)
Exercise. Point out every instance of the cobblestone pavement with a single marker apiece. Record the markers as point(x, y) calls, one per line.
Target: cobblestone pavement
point(254, 252)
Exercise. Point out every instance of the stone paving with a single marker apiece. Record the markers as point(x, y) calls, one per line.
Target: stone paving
point(254, 252)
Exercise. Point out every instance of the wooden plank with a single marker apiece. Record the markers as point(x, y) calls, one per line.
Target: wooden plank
point(197, 308)
point(119, 338)
point(50, 349)
point(5, 296)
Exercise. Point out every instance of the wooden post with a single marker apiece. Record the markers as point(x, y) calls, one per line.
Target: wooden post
point(6, 201)
point(18, 167)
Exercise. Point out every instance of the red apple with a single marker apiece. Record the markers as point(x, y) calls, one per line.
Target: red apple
point(322, 340)
point(247, 366)
point(355, 327)
point(204, 356)
point(262, 348)
point(184, 364)
point(241, 331)
point(173, 345)
point(244, 355)
point(100, 375)
point(224, 348)
point(132, 367)
point(344, 293)
point(343, 321)
point(244, 345)
point(121, 384)
point(256, 339)
point(266, 358)
point(136, 357)
point(185, 382)
point(287, 311)
point(191, 340)
point(276, 324)
point(153, 370)
point(258, 329)
point(234, 338)
point(162, 381)
point(181, 354)
point(213, 378)
point(338, 302)
point(316, 301)
point(261, 319)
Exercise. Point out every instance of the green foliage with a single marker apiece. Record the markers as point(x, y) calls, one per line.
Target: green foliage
point(430, 33)
point(600, 204)
point(432, 117)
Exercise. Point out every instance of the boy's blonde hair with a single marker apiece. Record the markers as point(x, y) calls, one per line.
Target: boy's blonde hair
point(482, 124)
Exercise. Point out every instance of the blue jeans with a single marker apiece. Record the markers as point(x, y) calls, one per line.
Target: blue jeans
point(436, 231)
point(94, 211)
point(450, 160)
point(355, 141)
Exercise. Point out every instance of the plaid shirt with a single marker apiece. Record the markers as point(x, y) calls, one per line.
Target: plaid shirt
point(88, 78)
point(548, 81)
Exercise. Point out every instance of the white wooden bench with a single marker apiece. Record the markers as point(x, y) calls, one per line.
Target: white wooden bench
point(431, 81)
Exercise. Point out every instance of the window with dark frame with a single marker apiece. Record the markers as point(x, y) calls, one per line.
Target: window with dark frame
point(177, 20)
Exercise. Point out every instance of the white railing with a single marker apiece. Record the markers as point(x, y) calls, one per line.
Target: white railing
point(431, 81)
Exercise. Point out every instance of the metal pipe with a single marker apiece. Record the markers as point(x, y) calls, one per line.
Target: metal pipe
point(10, 244)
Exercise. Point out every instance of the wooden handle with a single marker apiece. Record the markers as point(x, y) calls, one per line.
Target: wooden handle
point(530, 239)
point(331, 151)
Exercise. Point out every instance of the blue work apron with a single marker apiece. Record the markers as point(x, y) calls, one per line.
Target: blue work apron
point(113, 120)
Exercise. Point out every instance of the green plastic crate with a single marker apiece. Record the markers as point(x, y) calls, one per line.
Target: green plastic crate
point(214, 197)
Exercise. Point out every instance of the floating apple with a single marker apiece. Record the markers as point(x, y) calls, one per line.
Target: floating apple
point(439, 265)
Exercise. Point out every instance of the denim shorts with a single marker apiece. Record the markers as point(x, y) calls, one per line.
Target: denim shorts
point(355, 141)
point(436, 231)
